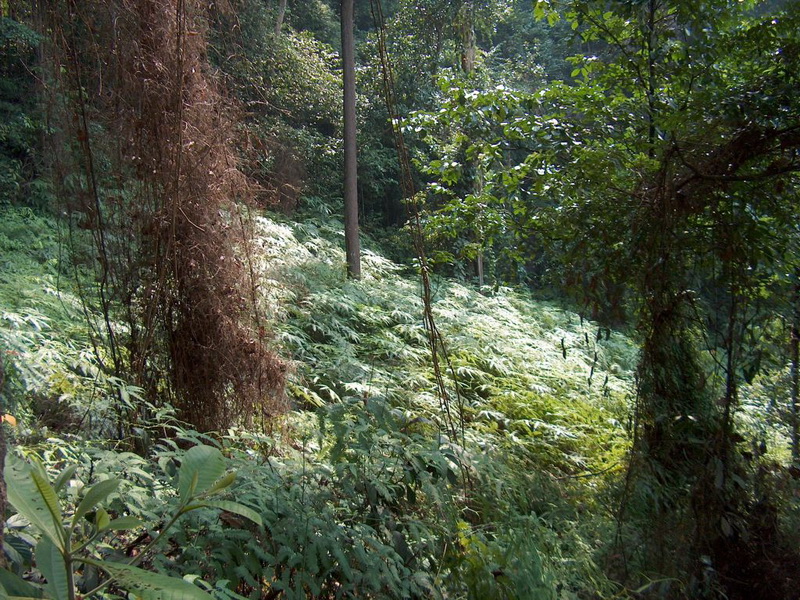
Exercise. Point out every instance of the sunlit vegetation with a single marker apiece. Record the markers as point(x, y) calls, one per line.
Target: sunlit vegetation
point(569, 369)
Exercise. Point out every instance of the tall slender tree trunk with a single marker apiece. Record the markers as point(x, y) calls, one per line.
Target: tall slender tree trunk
point(281, 16)
point(352, 246)
point(468, 54)
point(479, 264)
point(468, 44)
point(651, 77)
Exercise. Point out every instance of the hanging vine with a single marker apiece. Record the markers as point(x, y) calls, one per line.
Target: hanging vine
point(164, 213)
point(454, 421)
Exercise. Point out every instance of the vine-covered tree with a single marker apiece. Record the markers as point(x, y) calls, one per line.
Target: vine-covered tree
point(684, 175)
point(662, 179)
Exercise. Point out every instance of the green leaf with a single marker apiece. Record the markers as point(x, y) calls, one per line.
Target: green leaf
point(64, 477)
point(221, 484)
point(343, 562)
point(51, 563)
point(200, 469)
point(102, 520)
point(93, 497)
point(16, 587)
point(151, 586)
point(123, 523)
point(237, 509)
point(34, 498)
point(727, 529)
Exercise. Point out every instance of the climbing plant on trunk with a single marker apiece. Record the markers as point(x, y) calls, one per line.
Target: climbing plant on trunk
point(691, 140)
point(159, 190)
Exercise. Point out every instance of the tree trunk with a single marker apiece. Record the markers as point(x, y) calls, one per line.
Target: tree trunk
point(281, 16)
point(468, 44)
point(651, 78)
point(352, 246)
point(468, 53)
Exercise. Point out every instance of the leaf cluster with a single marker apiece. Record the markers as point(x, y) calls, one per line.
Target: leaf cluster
point(71, 542)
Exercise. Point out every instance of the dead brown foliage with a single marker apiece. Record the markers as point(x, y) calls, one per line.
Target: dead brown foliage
point(179, 264)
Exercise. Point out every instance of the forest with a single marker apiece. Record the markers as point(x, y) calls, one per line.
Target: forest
point(400, 299)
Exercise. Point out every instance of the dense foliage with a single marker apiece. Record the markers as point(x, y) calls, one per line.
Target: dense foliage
point(571, 365)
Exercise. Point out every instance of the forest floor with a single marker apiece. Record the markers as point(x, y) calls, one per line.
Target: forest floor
point(522, 465)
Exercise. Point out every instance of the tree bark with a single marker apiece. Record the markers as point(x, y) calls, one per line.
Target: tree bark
point(352, 246)
point(468, 44)
point(651, 78)
point(281, 16)
point(468, 53)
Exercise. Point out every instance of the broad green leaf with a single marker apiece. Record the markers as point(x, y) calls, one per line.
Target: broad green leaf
point(34, 498)
point(102, 520)
point(221, 484)
point(237, 509)
point(93, 497)
point(200, 469)
point(151, 586)
point(64, 477)
point(124, 523)
point(51, 563)
point(12, 553)
point(16, 587)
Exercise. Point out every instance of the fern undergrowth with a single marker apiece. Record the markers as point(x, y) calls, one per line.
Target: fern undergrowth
point(541, 393)
point(362, 493)
point(531, 376)
point(56, 377)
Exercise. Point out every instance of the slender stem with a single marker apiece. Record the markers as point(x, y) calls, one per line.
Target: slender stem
point(2, 459)
point(86, 543)
point(70, 575)
point(139, 557)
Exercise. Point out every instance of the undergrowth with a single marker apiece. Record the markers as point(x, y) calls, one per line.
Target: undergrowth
point(362, 494)
point(55, 376)
point(541, 395)
point(530, 375)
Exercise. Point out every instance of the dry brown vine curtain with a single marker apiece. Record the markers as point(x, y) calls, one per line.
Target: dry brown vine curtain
point(164, 211)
